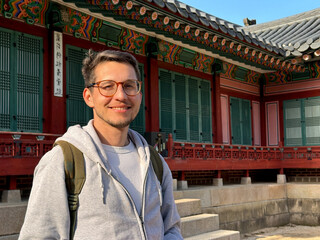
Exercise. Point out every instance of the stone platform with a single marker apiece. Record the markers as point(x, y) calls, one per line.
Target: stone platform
point(244, 208)
point(247, 208)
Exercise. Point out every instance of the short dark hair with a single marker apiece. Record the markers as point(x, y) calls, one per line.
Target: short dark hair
point(93, 59)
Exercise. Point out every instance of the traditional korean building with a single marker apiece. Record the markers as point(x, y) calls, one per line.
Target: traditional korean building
point(229, 101)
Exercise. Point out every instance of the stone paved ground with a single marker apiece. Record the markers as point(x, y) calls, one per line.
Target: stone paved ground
point(289, 232)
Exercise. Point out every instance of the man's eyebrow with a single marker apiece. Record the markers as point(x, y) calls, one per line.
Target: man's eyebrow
point(129, 79)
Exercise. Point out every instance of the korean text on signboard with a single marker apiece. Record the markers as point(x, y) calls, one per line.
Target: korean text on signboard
point(58, 65)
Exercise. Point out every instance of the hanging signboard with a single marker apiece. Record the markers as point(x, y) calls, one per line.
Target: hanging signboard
point(58, 64)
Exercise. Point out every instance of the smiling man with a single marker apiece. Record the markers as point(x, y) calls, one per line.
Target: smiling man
point(122, 197)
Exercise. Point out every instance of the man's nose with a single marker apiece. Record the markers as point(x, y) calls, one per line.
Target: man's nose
point(120, 93)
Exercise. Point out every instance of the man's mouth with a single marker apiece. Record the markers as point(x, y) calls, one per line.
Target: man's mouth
point(120, 108)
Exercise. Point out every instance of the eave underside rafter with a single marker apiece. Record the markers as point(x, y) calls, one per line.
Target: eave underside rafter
point(147, 18)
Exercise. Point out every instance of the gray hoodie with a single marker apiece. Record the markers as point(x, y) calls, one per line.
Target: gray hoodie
point(106, 209)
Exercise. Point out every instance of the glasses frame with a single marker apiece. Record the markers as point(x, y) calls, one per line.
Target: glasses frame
point(96, 84)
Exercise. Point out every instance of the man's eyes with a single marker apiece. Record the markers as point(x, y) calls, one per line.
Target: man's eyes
point(130, 85)
point(107, 86)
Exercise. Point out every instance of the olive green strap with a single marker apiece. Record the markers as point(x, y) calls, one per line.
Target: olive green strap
point(75, 177)
point(156, 163)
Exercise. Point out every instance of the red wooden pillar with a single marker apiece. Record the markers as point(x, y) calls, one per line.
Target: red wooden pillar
point(12, 182)
point(152, 112)
point(47, 83)
point(262, 112)
point(263, 123)
point(281, 124)
point(181, 176)
point(57, 104)
point(217, 122)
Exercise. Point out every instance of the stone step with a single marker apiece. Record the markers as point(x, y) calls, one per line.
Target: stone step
point(188, 207)
point(11, 217)
point(197, 224)
point(217, 235)
point(10, 237)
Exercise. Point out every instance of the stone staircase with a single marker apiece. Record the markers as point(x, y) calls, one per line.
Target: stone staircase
point(198, 226)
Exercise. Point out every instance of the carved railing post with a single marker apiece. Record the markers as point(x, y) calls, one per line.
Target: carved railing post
point(170, 145)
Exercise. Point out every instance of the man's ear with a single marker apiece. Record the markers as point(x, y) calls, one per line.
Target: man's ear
point(87, 96)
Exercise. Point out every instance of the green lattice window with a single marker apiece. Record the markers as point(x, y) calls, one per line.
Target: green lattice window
point(180, 107)
point(139, 122)
point(240, 111)
point(302, 122)
point(20, 82)
point(166, 102)
point(77, 110)
point(185, 107)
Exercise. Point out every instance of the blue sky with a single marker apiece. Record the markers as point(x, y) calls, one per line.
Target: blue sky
point(262, 10)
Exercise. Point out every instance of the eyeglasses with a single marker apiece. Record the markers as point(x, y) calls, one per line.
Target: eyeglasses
point(108, 88)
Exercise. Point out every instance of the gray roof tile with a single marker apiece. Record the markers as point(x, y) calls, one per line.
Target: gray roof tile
point(295, 34)
point(204, 21)
point(233, 30)
point(193, 13)
point(160, 3)
point(182, 9)
point(292, 35)
point(170, 4)
point(240, 36)
point(315, 44)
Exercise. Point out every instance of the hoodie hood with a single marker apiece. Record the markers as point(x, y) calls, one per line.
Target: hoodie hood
point(87, 140)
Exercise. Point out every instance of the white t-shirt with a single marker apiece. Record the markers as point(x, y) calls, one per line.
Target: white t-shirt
point(126, 167)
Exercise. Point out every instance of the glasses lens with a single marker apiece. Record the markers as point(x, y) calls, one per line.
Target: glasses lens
point(107, 88)
point(131, 87)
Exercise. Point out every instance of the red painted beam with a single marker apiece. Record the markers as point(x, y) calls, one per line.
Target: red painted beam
point(301, 163)
point(18, 166)
point(198, 165)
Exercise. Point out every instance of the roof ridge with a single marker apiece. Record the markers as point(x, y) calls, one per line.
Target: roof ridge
point(199, 10)
point(297, 18)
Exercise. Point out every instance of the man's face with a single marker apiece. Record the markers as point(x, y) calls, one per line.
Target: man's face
point(119, 110)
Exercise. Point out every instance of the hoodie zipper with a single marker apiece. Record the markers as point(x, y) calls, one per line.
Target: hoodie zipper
point(140, 217)
point(143, 202)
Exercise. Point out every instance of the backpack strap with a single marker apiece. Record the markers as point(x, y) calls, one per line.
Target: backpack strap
point(156, 163)
point(75, 177)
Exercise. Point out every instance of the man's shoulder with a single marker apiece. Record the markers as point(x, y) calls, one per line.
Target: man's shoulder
point(52, 159)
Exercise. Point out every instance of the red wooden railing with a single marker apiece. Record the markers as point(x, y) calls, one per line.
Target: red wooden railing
point(198, 156)
point(20, 153)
